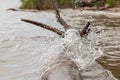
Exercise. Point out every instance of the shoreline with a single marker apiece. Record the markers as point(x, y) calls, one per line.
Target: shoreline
point(113, 9)
point(97, 13)
point(110, 12)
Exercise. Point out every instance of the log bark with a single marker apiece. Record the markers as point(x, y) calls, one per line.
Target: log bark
point(61, 21)
point(12, 9)
point(62, 70)
point(44, 26)
point(59, 18)
point(85, 30)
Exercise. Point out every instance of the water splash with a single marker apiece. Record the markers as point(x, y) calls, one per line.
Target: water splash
point(82, 51)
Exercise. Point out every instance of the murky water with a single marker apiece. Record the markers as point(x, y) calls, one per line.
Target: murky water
point(111, 43)
point(26, 50)
point(110, 40)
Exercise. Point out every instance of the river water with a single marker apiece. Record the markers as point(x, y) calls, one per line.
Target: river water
point(25, 49)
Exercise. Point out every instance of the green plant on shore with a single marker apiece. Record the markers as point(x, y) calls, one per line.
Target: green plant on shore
point(46, 4)
point(113, 3)
point(99, 4)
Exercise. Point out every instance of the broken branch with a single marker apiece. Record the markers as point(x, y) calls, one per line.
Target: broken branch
point(44, 26)
point(13, 9)
point(59, 19)
point(85, 30)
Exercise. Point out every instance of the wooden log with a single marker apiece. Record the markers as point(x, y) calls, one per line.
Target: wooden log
point(44, 26)
point(62, 70)
point(12, 9)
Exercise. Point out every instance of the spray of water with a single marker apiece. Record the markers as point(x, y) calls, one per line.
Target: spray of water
point(83, 51)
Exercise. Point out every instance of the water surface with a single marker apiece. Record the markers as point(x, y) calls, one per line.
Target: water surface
point(25, 49)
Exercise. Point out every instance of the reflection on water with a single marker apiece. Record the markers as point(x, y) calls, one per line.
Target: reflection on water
point(108, 22)
point(111, 43)
point(23, 46)
point(110, 40)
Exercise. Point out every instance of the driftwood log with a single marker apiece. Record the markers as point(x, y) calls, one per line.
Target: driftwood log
point(83, 32)
point(64, 69)
point(12, 9)
point(43, 26)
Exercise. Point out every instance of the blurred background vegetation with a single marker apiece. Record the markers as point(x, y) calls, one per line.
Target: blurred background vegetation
point(47, 4)
point(113, 3)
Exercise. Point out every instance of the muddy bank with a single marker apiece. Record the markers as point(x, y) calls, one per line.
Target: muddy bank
point(114, 9)
point(109, 14)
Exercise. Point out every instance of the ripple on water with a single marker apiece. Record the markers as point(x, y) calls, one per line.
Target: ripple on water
point(20, 56)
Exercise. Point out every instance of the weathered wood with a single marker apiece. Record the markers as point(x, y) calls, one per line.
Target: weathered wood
point(61, 21)
point(85, 30)
point(59, 18)
point(62, 70)
point(44, 26)
point(12, 9)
